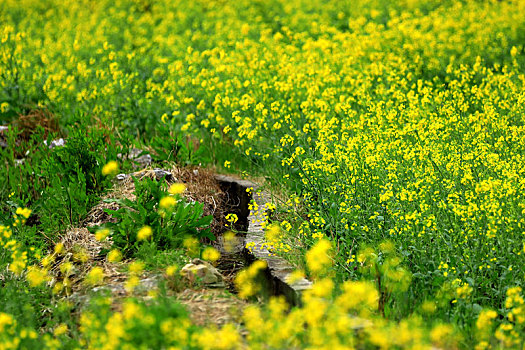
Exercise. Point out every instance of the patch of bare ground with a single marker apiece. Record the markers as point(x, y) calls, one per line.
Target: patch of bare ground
point(212, 306)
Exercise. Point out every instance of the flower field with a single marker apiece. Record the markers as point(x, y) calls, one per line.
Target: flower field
point(391, 133)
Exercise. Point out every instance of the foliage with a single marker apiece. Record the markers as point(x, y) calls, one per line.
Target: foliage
point(169, 225)
point(384, 119)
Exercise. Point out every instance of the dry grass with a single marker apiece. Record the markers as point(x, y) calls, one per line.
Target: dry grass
point(202, 187)
point(29, 123)
point(212, 306)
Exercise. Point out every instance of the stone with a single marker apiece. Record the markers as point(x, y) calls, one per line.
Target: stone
point(163, 174)
point(279, 269)
point(203, 270)
point(144, 160)
point(141, 160)
point(121, 177)
point(159, 175)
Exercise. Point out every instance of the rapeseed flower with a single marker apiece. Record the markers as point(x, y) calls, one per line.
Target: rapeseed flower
point(59, 248)
point(136, 267)
point(36, 276)
point(111, 168)
point(25, 212)
point(102, 234)
point(318, 257)
point(177, 188)
point(144, 233)
point(167, 202)
point(114, 256)
point(211, 254)
point(59, 330)
point(171, 270)
point(95, 276)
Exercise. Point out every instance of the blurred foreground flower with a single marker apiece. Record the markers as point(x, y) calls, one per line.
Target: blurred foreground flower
point(211, 254)
point(114, 256)
point(95, 276)
point(177, 188)
point(318, 258)
point(111, 168)
point(144, 233)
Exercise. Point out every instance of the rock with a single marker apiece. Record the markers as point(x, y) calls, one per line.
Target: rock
point(134, 153)
point(121, 177)
point(203, 270)
point(142, 160)
point(161, 173)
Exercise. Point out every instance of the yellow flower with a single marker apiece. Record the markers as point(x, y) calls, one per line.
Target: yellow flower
point(114, 256)
point(136, 267)
point(441, 333)
point(111, 168)
point(228, 241)
point(130, 310)
point(171, 270)
point(225, 338)
point(272, 233)
point(36, 276)
point(17, 266)
point(81, 255)
point(232, 218)
point(227, 164)
point(211, 254)
point(429, 307)
point(322, 288)
point(57, 288)
point(61, 329)
point(357, 294)
point(95, 276)
point(59, 248)
point(102, 234)
point(167, 202)
point(4, 107)
point(144, 233)
point(294, 276)
point(5, 320)
point(177, 188)
point(47, 260)
point(246, 282)
point(66, 267)
point(318, 258)
point(131, 283)
point(192, 245)
point(485, 319)
point(25, 212)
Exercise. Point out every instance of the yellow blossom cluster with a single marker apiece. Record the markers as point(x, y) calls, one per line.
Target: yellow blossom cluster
point(387, 119)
